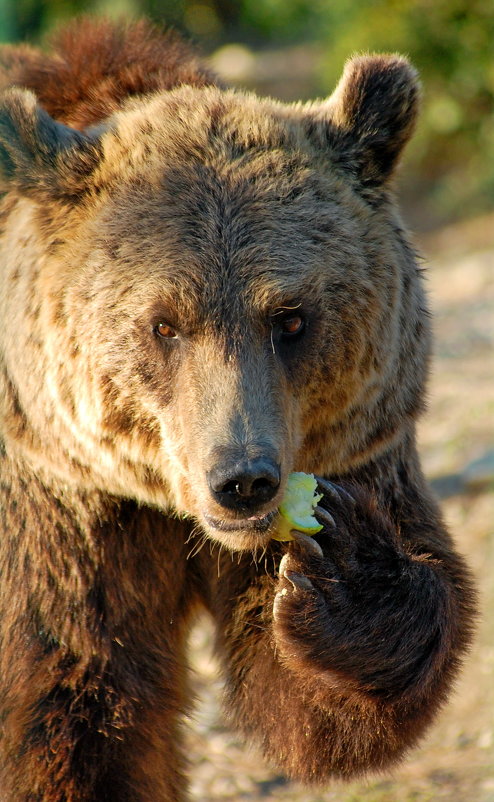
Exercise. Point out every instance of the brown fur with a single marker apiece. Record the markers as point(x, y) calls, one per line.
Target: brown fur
point(88, 76)
point(144, 198)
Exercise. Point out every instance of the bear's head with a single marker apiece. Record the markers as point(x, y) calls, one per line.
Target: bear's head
point(209, 290)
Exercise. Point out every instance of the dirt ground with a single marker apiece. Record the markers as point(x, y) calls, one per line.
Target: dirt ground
point(456, 760)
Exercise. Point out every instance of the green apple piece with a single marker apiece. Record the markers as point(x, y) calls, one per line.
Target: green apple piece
point(296, 510)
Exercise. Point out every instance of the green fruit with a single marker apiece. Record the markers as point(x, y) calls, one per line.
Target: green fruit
point(297, 508)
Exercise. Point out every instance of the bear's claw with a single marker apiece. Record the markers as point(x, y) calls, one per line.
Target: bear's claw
point(325, 517)
point(307, 543)
point(298, 581)
point(334, 491)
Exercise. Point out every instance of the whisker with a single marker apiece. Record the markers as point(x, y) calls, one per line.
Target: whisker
point(197, 547)
point(196, 530)
point(272, 340)
point(280, 309)
point(218, 563)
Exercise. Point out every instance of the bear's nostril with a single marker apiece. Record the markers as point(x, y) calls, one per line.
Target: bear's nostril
point(244, 485)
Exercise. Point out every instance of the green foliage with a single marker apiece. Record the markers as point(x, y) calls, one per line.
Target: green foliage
point(451, 162)
point(450, 42)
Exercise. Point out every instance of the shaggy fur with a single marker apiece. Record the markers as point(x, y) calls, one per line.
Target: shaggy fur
point(202, 291)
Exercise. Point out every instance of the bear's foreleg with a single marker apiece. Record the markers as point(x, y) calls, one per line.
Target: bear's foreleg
point(92, 675)
point(96, 733)
point(337, 666)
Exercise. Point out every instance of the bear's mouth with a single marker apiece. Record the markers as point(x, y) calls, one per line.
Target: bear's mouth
point(255, 523)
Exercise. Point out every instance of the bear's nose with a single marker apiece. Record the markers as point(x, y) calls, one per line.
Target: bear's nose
point(245, 485)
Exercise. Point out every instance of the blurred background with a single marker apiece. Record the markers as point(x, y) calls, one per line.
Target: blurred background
point(295, 50)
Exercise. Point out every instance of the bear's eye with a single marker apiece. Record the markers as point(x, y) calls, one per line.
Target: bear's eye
point(165, 331)
point(293, 325)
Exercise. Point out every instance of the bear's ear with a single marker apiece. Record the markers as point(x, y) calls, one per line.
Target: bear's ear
point(39, 156)
point(371, 115)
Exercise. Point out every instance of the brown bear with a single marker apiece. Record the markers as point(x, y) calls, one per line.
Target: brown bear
point(202, 291)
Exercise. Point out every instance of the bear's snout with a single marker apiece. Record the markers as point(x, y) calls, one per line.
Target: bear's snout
point(244, 485)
